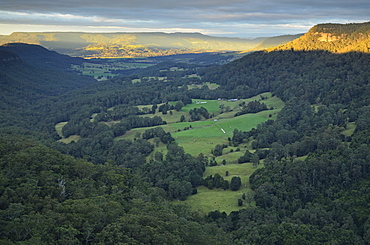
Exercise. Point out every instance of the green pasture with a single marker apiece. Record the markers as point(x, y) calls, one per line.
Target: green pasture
point(302, 158)
point(204, 135)
point(350, 129)
point(231, 157)
point(210, 105)
point(71, 138)
point(213, 106)
point(207, 200)
point(59, 127)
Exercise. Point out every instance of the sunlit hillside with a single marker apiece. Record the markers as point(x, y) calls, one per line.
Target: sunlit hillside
point(133, 44)
point(337, 38)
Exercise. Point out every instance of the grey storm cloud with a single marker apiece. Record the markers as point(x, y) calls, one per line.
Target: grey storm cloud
point(212, 16)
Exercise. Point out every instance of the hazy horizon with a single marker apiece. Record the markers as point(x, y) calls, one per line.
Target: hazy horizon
point(234, 18)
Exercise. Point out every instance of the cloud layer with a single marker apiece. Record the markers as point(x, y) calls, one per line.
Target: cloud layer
point(242, 18)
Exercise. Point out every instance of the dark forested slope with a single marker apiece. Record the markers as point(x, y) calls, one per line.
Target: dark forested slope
point(27, 86)
point(41, 57)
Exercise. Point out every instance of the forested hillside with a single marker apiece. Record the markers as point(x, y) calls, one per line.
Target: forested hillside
point(41, 57)
point(50, 198)
point(102, 189)
point(321, 197)
point(27, 86)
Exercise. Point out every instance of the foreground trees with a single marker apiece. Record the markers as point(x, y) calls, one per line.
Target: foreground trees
point(50, 198)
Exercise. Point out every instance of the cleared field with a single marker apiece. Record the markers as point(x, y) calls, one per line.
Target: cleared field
point(207, 200)
point(70, 139)
point(231, 157)
point(204, 135)
point(350, 129)
point(59, 127)
point(210, 105)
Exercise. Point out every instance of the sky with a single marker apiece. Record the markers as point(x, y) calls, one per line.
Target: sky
point(229, 18)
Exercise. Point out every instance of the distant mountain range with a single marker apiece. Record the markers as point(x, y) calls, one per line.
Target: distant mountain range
point(336, 38)
point(139, 44)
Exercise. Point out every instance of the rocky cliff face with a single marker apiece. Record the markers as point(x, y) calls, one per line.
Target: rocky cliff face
point(336, 38)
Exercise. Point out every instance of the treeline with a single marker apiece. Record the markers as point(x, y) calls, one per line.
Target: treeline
point(217, 181)
point(158, 132)
point(85, 126)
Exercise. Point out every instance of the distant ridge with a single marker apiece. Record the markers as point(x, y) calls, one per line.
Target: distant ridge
point(336, 38)
point(276, 41)
point(131, 44)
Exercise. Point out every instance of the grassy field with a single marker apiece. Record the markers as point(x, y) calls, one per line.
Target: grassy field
point(207, 200)
point(71, 138)
point(205, 135)
point(231, 157)
point(350, 129)
point(59, 127)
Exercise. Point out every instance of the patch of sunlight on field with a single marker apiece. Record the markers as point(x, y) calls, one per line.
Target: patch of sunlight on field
point(230, 157)
point(59, 127)
point(350, 129)
point(71, 138)
point(302, 158)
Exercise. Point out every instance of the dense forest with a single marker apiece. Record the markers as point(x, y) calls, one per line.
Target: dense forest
point(313, 187)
